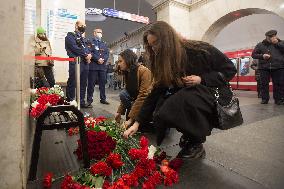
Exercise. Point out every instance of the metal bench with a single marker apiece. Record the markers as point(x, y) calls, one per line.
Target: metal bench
point(58, 117)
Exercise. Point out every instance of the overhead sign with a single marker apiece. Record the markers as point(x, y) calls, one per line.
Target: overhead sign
point(117, 14)
point(93, 11)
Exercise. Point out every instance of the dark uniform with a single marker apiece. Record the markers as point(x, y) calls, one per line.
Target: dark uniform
point(76, 47)
point(273, 67)
point(97, 72)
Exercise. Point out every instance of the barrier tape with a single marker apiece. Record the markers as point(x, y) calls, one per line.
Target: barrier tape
point(50, 58)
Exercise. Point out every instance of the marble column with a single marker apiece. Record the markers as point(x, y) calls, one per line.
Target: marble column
point(15, 71)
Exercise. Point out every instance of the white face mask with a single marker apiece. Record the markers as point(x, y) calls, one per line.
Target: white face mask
point(99, 35)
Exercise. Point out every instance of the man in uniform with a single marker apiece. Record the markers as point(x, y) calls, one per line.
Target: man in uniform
point(270, 53)
point(76, 47)
point(97, 69)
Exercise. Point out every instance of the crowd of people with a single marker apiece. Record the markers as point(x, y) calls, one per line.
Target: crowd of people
point(175, 90)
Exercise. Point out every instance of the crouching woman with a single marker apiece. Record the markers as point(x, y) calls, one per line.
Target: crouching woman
point(137, 86)
point(185, 73)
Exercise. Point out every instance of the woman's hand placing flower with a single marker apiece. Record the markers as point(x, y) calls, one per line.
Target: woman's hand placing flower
point(131, 130)
point(191, 80)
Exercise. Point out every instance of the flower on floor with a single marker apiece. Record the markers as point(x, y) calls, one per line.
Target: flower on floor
point(47, 181)
point(118, 163)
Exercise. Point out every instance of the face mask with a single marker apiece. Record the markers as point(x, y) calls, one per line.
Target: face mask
point(99, 35)
point(82, 29)
point(42, 37)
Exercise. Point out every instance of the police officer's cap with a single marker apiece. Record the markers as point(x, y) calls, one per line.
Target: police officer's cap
point(271, 33)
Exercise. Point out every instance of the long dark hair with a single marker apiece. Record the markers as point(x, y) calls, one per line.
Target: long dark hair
point(130, 58)
point(168, 63)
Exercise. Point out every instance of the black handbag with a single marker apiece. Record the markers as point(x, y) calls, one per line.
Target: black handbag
point(229, 115)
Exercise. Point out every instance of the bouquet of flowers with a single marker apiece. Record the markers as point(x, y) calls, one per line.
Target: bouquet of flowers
point(43, 97)
point(118, 163)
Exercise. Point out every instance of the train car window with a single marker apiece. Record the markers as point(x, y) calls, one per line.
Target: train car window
point(244, 66)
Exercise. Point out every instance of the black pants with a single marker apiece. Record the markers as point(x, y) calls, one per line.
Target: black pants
point(48, 72)
point(44, 76)
point(277, 76)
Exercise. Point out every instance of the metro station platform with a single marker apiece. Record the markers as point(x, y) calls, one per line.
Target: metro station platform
point(247, 157)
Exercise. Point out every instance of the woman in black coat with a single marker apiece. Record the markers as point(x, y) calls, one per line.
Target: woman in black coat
point(185, 74)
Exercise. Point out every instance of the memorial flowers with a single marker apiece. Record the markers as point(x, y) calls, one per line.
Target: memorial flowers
point(121, 164)
point(43, 97)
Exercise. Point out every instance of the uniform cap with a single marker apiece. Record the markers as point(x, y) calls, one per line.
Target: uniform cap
point(271, 33)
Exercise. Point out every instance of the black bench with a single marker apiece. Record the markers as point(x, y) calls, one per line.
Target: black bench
point(58, 117)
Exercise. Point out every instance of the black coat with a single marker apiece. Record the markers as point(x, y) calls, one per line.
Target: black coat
point(276, 61)
point(191, 110)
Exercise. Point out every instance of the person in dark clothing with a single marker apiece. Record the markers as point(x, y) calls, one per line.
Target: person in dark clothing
point(98, 68)
point(182, 95)
point(110, 73)
point(254, 66)
point(270, 53)
point(75, 46)
point(137, 86)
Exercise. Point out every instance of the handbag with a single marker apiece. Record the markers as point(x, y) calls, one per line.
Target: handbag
point(228, 115)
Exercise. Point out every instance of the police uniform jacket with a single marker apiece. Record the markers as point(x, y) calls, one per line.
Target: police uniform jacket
point(75, 45)
point(99, 50)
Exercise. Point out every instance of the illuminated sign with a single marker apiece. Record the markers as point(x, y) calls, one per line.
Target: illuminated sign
point(93, 11)
point(117, 14)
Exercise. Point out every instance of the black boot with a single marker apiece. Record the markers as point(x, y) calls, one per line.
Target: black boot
point(264, 102)
point(192, 151)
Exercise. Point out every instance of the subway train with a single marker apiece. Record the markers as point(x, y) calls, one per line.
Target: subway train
point(245, 76)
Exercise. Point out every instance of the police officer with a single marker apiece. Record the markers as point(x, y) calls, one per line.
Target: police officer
point(76, 47)
point(97, 69)
point(270, 53)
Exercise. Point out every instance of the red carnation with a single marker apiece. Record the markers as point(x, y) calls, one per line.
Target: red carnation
point(147, 165)
point(43, 99)
point(114, 160)
point(144, 142)
point(171, 177)
point(35, 112)
point(156, 178)
point(130, 180)
point(66, 182)
point(101, 168)
point(138, 153)
point(139, 172)
point(106, 184)
point(53, 99)
point(119, 184)
point(100, 145)
point(47, 181)
point(176, 164)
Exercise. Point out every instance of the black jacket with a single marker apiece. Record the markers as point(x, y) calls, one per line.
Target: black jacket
point(276, 52)
point(206, 65)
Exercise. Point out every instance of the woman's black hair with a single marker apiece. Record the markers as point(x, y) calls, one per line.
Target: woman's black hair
point(129, 57)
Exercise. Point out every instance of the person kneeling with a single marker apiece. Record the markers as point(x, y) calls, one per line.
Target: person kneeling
point(138, 86)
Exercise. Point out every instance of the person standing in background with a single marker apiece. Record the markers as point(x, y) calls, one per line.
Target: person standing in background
point(110, 73)
point(76, 47)
point(254, 66)
point(270, 53)
point(97, 70)
point(44, 76)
